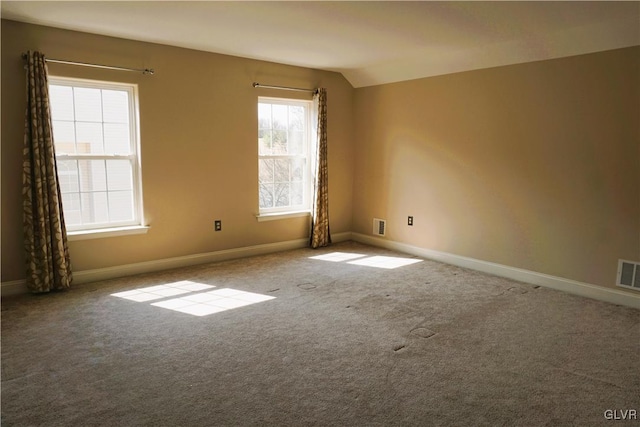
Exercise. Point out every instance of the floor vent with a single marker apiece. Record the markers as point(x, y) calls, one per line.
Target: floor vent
point(628, 274)
point(379, 226)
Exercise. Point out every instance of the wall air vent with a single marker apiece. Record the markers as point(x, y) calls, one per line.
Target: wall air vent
point(628, 274)
point(379, 226)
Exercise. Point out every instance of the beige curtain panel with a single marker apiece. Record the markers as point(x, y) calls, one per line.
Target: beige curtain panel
point(45, 237)
point(320, 235)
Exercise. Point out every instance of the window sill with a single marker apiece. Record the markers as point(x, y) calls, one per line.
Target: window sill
point(106, 232)
point(281, 215)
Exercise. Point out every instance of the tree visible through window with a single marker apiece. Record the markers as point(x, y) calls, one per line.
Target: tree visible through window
point(95, 137)
point(283, 152)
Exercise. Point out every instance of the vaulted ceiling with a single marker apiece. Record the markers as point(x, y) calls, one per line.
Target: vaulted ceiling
point(370, 43)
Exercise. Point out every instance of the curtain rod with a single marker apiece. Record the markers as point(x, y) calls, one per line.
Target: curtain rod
point(149, 71)
point(297, 89)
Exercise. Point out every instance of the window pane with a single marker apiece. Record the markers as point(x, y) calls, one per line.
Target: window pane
point(296, 118)
point(264, 116)
point(68, 176)
point(281, 194)
point(264, 142)
point(121, 205)
point(115, 104)
point(265, 170)
point(281, 170)
point(88, 104)
point(298, 167)
point(61, 102)
point(280, 114)
point(64, 137)
point(89, 138)
point(119, 176)
point(266, 196)
point(93, 176)
point(296, 142)
point(116, 138)
point(297, 193)
point(100, 207)
point(95, 208)
point(71, 209)
point(279, 142)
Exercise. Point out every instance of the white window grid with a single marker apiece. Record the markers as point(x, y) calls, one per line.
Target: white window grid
point(305, 156)
point(132, 157)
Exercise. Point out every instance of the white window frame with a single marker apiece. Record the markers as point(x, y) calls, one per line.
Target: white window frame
point(112, 228)
point(267, 214)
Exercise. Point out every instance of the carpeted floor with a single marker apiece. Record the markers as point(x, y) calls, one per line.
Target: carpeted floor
point(339, 342)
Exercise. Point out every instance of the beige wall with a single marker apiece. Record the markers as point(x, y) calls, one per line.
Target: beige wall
point(199, 145)
point(535, 166)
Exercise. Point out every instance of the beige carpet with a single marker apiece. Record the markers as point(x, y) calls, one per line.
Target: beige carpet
point(290, 340)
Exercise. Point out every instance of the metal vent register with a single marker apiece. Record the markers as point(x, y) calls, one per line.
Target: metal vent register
point(379, 226)
point(628, 274)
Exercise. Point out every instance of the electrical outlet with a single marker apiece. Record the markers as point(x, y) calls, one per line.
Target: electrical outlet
point(410, 221)
point(217, 225)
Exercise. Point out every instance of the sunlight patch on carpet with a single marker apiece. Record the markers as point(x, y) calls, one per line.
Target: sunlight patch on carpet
point(191, 300)
point(338, 256)
point(151, 293)
point(369, 261)
point(385, 262)
point(212, 302)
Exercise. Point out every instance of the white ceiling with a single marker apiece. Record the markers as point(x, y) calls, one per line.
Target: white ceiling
point(370, 43)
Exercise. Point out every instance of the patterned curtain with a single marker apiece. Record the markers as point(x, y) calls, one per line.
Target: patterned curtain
point(320, 235)
point(45, 236)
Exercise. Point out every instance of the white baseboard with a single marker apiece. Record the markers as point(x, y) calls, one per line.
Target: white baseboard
point(13, 287)
point(87, 276)
point(614, 296)
point(566, 285)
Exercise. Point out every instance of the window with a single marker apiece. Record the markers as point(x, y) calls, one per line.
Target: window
point(95, 132)
point(284, 161)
